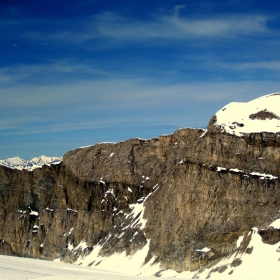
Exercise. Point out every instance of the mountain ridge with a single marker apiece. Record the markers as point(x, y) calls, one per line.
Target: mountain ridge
point(36, 162)
point(196, 200)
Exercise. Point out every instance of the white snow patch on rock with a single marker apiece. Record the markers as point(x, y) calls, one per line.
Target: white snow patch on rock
point(236, 170)
point(121, 262)
point(259, 115)
point(204, 250)
point(221, 169)
point(70, 246)
point(275, 224)
point(81, 246)
point(263, 175)
point(33, 213)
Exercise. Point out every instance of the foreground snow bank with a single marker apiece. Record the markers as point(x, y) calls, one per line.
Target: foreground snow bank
point(253, 260)
point(258, 261)
point(25, 268)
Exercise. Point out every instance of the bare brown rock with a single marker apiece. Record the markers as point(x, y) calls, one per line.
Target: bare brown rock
point(202, 192)
point(270, 236)
point(263, 115)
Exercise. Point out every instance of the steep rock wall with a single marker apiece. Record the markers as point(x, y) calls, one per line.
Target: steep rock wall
point(196, 189)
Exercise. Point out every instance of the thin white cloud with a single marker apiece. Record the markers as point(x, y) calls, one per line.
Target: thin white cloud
point(16, 121)
point(259, 65)
point(123, 102)
point(176, 27)
point(177, 9)
point(171, 27)
point(236, 25)
point(9, 75)
point(22, 72)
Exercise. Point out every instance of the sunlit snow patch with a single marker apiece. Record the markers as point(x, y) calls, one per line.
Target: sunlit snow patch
point(121, 262)
point(259, 115)
point(255, 261)
point(204, 250)
point(275, 224)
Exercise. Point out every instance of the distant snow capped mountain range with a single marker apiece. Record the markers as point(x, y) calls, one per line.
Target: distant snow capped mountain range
point(37, 162)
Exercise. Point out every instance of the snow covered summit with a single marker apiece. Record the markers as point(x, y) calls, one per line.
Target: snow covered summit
point(45, 160)
point(259, 115)
point(37, 162)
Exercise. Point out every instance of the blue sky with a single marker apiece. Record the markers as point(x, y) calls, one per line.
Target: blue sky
point(74, 73)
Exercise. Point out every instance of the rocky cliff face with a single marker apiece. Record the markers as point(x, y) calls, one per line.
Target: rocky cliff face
point(179, 194)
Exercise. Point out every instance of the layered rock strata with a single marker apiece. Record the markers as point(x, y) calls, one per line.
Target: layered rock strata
point(192, 190)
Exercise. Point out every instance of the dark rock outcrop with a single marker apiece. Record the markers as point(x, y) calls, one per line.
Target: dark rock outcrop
point(203, 191)
point(270, 236)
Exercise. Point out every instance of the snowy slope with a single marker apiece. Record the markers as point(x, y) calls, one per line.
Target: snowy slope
point(261, 261)
point(259, 115)
point(255, 260)
point(252, 260)
point(40, 161)
point(14, 162)
point(26, 268)
point(37, 162)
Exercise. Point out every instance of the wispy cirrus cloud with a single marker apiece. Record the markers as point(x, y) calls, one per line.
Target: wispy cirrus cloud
point(176, 27)
point(47, 72)
point(92, 104)
point(172, 27)
point(93, 66)
point(257, 65)
point(220, 27)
